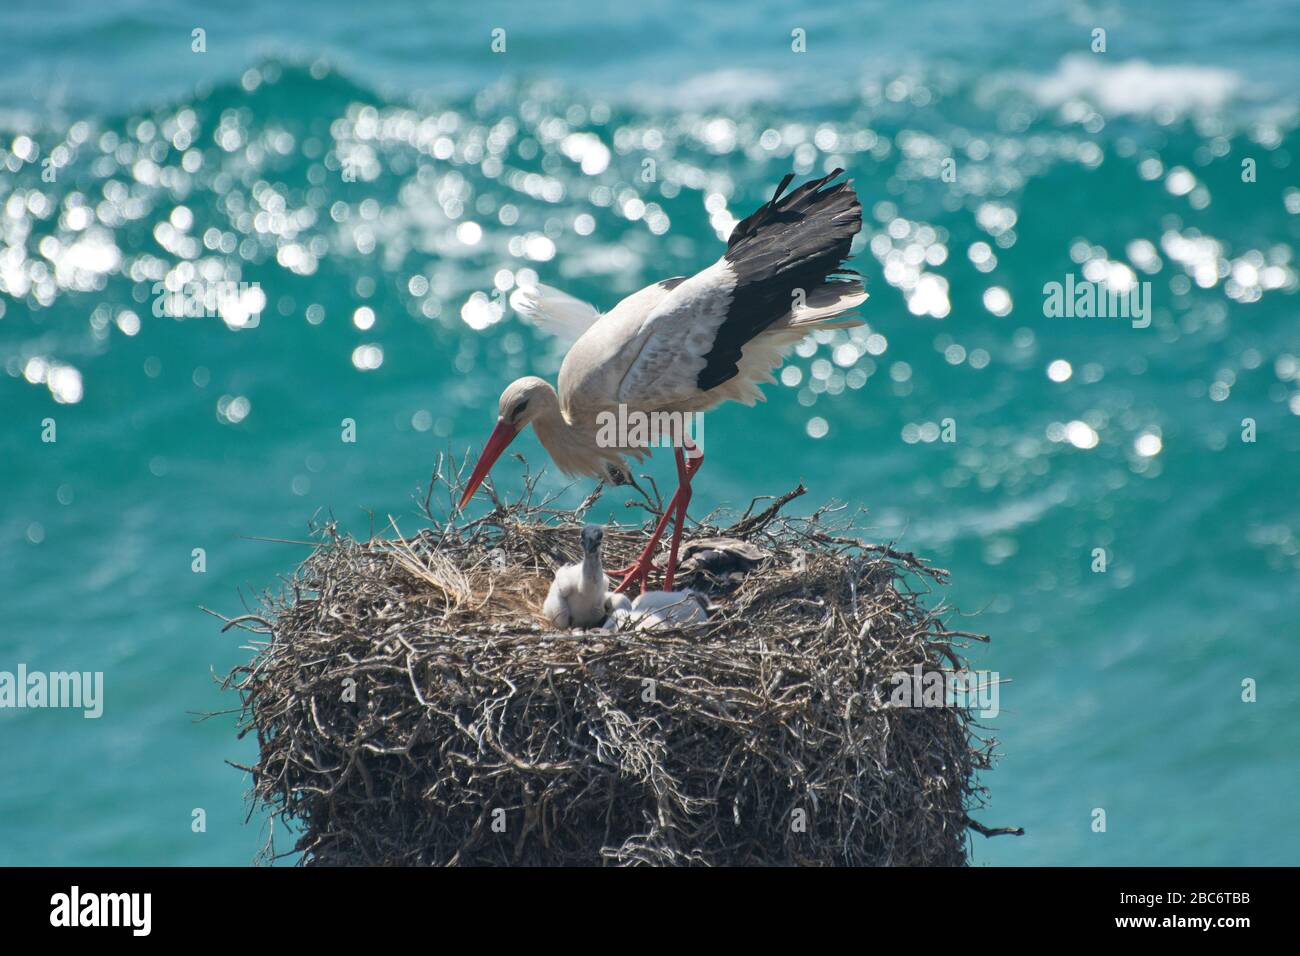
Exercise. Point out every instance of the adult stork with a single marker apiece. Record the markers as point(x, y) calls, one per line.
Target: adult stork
point(685, 345)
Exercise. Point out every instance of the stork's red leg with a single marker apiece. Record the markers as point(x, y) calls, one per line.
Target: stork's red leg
point(687, 465)
point(640, 569)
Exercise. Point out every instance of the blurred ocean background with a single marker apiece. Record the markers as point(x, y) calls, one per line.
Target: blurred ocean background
point(382, 297)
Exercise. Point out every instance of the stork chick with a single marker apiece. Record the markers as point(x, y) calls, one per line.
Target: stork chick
point(579, 595)
point(653, 610)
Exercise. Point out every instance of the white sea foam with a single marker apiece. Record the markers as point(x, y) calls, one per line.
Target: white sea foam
point(1136, 86)
point(716, 88)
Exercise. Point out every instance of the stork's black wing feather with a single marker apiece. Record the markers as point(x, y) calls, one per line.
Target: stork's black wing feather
point(797, 242)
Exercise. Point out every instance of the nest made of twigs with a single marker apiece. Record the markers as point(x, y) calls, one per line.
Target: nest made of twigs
point(412, 706)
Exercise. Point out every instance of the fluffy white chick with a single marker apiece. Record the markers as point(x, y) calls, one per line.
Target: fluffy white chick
point(657, 609)
point(579, 595)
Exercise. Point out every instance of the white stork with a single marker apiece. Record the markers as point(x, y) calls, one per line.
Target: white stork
point(579, 595)
point(655, 610)
point(686, 344)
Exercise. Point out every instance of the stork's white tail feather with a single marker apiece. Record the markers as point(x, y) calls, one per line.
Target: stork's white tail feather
point(829, 301)
point(554, 311)
point(826, 307)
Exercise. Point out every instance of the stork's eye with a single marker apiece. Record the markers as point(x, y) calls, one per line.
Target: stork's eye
point(519, 409)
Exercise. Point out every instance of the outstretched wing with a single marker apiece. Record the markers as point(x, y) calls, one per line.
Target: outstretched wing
point(783, 269)
point(554, 312)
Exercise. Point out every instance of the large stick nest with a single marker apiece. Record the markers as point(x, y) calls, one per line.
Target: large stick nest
point(412, 706)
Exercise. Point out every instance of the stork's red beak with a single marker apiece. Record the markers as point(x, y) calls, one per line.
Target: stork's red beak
point(501, 437)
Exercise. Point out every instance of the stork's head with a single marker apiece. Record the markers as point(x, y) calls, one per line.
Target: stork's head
point(522, 401)
point(592, 536)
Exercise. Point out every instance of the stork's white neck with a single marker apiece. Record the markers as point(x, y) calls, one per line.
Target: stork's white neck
point(571, 446)
point(592, 570)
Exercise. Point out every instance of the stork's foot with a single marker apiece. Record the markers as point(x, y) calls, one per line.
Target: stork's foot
point(639, 572)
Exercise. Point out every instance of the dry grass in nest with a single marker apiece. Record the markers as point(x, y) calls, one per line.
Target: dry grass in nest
point(412, 706)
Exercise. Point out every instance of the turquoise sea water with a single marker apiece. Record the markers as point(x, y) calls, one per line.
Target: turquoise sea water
point(469, 170)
